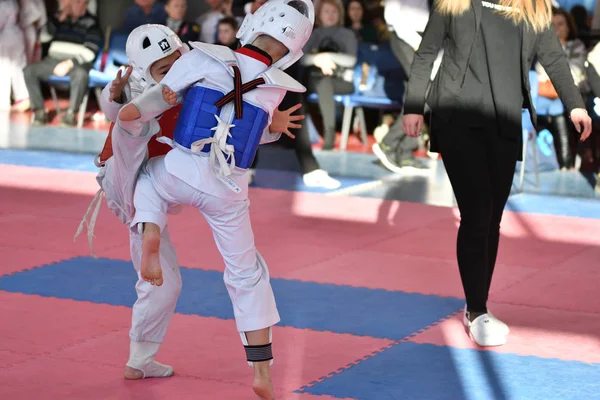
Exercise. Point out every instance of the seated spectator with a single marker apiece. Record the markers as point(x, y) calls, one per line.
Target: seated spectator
point(187, 31)
point(144, 12)
point(209, 21)
point(12, 56)
point(228, 28)
point(74, 47)
point(357, 20)
point(550, 110)
point(330, 55)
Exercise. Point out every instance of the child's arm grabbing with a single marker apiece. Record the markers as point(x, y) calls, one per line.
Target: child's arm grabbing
point(185, 72)
point(114, 96)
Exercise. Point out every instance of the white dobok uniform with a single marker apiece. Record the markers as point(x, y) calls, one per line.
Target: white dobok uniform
point(204, 171)
point(155, 305)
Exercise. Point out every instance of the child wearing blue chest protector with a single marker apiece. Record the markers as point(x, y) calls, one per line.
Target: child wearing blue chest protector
point(228, 100)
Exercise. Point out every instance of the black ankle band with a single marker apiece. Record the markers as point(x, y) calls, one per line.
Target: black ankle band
point(259, 353)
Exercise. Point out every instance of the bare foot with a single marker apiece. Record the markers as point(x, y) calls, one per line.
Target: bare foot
point(262, 386)
point(133, 374)
point(129, 113)
point(150, 269)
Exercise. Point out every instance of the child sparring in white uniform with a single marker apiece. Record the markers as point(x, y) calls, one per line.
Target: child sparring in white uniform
point(117, 177)
point(228, 99)
point(129, 145)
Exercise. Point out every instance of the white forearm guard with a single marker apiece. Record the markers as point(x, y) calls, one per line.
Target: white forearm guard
point(151, 103)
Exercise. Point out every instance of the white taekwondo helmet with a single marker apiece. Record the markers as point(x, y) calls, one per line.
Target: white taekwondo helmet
point(147, 44)
point(288, 21)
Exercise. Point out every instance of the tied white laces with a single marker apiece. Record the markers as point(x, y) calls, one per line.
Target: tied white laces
point(94, 208)
point(219, 149)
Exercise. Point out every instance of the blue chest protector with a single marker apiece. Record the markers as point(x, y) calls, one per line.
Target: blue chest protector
point(197, 118)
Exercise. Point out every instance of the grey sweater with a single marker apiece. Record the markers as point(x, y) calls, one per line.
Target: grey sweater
point(332, 39)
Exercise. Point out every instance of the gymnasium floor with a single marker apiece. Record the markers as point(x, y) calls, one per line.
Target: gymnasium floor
point(365, 279)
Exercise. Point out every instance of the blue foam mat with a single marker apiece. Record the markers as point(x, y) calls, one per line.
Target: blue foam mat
point(428, 372)
point(321, 307)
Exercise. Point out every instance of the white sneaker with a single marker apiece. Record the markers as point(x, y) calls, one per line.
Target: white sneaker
point(486, 332)
point(380, 132)
point(251, 176)
point(505, 329)
point(320, 178)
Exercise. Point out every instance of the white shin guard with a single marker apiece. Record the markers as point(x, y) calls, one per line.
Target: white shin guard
point(141, 357)
point(257, 350)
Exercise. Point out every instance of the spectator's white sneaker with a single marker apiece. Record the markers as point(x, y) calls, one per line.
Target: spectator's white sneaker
point(320, 178)
point(380, 132)
point(486, 331)
point(251, 175)
point(505, 329)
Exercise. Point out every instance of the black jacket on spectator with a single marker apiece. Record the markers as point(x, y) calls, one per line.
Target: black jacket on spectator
point(84, 32)
point(456, 34)
point(188, 32)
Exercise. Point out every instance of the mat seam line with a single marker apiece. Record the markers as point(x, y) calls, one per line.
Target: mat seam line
point(375, 353)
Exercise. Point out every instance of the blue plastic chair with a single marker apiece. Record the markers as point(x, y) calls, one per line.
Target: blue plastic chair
point(385, 77)
point(348, 104)
point(118, 42)
point(97, 81)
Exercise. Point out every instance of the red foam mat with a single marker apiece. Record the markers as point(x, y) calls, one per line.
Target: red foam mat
point(87, 351)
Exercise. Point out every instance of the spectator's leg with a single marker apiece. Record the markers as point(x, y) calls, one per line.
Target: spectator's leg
point(560, 132)
point(302, 145)
point(326, 89)
point(312, 175)
point(79, 86)
point(403, 52)
point(396, 148)
point(394, 136)
point(34, 75)
point(406, 148)
point(19, 88)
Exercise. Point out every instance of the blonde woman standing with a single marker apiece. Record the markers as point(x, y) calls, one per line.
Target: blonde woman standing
point(476, 102)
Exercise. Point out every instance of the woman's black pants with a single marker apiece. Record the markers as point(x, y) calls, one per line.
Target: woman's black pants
point(481, 166)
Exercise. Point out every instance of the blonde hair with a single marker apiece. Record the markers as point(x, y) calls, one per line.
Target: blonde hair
point(536, 14)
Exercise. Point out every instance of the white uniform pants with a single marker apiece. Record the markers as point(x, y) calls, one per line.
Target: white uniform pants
point(155, 305)
point(246, 275)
